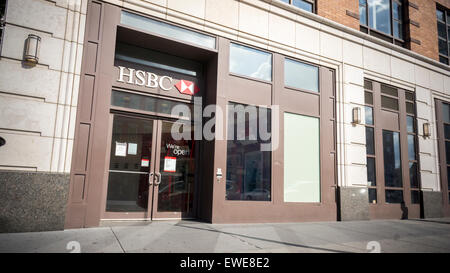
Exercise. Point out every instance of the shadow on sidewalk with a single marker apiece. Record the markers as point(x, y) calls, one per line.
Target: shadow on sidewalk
point(262, 239)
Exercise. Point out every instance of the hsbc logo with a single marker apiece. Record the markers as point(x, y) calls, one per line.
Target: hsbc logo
point(151, 80)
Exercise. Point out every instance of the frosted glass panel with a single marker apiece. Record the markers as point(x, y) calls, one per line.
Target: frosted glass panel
point(167, 30)
point(301, 158)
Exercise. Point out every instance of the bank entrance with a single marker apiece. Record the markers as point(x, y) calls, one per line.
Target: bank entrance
point(151, 174)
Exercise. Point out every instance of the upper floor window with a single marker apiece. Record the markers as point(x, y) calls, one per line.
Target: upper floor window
point(443, 27)
point(382, 19)
point(308, 5)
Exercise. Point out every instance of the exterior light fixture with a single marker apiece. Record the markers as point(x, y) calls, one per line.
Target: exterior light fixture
point(426, 130)
point(31, 50)
point(356, 115)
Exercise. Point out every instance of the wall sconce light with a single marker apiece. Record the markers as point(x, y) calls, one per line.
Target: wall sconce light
point(426, 130)
point(31, 50)
point(356, 115)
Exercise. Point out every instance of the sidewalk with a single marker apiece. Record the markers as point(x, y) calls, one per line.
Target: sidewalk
point(430, 235)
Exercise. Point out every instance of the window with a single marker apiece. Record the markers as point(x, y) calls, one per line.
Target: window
point(443, 29)
point(301, 158)
point(250, 62)
point(249, 164)
point(370, 142)
point(308, 5)
point(2, 19)
point(383, 19)
point(167, 30)
point(301, 75)
point(391, 148)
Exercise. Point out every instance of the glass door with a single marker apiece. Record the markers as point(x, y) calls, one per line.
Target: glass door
point(174, 171)
point(151, 170)
point(130, 176)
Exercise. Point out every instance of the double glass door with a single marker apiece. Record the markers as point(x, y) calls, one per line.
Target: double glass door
point(151, 170)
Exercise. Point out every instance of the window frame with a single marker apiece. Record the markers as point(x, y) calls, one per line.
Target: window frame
point(312, 2)
point(375, 88)
point(381, 35)
point(446, 22)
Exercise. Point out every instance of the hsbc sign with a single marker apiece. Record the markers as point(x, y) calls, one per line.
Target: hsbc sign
point(151, 80)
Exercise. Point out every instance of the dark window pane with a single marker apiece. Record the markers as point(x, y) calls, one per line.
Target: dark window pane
point(373, 196)
point(389, 103)
point(398, 30)
point(145, 103)
point(409, 96)
point(370, 144)
point(301, 75)
point(388, 90)
point(368, 85)
point(371, 173)
point(447, 131)
point(369, 115)
point(250, 62)
point(394, 196)
point(392, 160)
point(362, 15)
point(410, 125)
point(446, 112)
point(248, 164)
point(443, 60)
point(411, 147)
point(443, 47)
point(447, 151)
point(440, 15)
point(410, 108)
point(397, 10)
point(413, 175)
point(368, 98)
point(303, 5)
point(415, 197)
point(442, 30)
point(380, 18)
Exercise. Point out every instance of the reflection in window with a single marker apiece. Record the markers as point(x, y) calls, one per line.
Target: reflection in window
point(415, 197)
point(250, 62)
point(301, 158)
point(383, 16)
point(167, 30)
point(301, 75)
point(369, 115)
point(412, 147)
point(248, 163)
point(307, 5)
point(413, 175)
point(443, 24)
point(392, 160)
point(379, 15)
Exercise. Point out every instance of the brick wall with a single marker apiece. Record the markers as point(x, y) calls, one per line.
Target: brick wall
point(339, 10)
point(423, 12)
point(422, 25)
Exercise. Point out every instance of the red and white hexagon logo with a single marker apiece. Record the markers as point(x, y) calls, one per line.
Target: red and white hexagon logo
point(187, 87)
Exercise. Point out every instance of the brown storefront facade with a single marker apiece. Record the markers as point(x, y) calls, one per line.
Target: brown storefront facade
point(121, 92)
point(127, 166)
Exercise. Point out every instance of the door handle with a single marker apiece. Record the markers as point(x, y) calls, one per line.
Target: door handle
point(158, 179)
point(150, 178)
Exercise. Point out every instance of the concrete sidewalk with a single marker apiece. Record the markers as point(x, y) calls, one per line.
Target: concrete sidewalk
point(430, 235)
